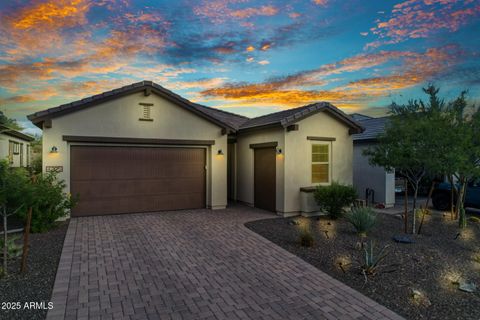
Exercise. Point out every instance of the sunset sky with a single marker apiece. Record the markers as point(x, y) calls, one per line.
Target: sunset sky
point(248, 57)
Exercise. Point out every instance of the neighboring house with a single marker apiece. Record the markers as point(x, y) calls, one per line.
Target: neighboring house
point(143, 148)
point(15, 147)
point(368, 177)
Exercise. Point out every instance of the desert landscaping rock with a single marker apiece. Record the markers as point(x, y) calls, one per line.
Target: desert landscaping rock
point(430, 265)
point(36, 285)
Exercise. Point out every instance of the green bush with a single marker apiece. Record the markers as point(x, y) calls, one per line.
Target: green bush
point(14, 250)
point(362, 219)
point(334, 198)
point(48, 202)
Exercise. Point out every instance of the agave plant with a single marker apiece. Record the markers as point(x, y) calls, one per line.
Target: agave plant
point(14, 250)
point(362, 219)
point(373, 259)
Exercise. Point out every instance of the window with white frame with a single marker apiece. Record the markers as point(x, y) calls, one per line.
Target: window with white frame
point(320, 163)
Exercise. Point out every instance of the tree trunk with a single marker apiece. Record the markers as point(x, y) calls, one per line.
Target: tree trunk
point(414, 208)
point(26, 238)
point(424, 211)
point(5, 238)
point(452, 193)
point(405, 214)
point(462, 218)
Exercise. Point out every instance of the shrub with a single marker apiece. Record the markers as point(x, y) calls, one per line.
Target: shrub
point(14, 250)
point(49, 202)
point(334, 198)
point(362, 219)
point(306, 237)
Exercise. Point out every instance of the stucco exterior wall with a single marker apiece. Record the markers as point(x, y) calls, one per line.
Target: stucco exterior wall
point(119, 118)
point(245, 160)
point(4, 142)
point(373, 177)
point(298, 156)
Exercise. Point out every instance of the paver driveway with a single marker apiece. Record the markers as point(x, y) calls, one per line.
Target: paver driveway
point(197, 264)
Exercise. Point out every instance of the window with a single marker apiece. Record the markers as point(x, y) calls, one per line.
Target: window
point(21, 154)
point(28, 155)
point(320, 163)
point(11, 147)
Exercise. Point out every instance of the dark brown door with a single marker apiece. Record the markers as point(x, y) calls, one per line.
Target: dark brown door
point(112, 180)
point(265, 179)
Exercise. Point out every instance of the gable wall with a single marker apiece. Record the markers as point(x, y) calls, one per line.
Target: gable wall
point(119, 118)
point(4, 142)
point(298, 155)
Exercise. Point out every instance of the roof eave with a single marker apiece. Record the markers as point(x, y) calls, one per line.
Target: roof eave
point(39, 117)
point(355, 127)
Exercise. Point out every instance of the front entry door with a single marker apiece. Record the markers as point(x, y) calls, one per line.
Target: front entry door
point(265, 179)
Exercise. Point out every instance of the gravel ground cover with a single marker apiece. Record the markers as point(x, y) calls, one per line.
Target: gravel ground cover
point(36, 285)
point(419, 280)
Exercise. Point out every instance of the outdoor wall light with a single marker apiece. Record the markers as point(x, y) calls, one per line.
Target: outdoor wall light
point(220, 152)
point(54, 150)
point(279, 151)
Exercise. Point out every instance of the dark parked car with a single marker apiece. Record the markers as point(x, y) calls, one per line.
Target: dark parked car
point(442, 194)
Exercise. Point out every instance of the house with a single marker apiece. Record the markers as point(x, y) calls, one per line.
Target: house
point(143, 148)
point(373, 183)
point(15, 147)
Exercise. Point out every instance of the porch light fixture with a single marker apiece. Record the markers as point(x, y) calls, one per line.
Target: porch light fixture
point(220, 152)
point(54, 150)
point(279, 151)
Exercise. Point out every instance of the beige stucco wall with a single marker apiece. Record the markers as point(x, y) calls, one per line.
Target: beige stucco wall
point(298, 155)
point(373, 177)
point(294, 164)
point(245, 191)
point(119, 118)
point(4, 142)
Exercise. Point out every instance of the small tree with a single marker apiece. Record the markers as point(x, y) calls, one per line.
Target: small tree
point(465, 154)
point(412, 141)
point(334, 198)
point(8, 122)
point(14, 185)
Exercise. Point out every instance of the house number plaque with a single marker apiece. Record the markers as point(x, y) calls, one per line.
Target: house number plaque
point(54, 168)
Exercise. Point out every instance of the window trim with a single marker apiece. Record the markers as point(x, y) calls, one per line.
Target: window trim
point(329, 163)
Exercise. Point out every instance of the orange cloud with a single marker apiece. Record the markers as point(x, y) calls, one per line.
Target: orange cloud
point(250, 48)
point(321, 2)
point(53, 14)
point(421, 18)
point(219, 11)
point(265, 46)
point(413, 69)
point(249, 12)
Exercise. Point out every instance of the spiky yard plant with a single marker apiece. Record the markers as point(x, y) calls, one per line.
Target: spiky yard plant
point(362, 219)
point(373, 259)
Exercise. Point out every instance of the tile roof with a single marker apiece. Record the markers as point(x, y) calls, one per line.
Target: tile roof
point(14, 133)
point(373, 127)
point(224, 119)
point(287, 117)
point(228, 120)
point(359, 116)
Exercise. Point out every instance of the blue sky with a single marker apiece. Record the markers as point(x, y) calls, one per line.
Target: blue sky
point(248, 57)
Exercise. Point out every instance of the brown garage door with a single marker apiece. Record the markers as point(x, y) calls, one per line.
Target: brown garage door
point(265, 179)
point(112, 180)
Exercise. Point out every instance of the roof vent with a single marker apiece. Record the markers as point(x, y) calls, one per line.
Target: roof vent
point(146, 111)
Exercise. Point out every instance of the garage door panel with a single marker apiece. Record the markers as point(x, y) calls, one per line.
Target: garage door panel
point(113, 180)
point(136, 187)
point(139, 203)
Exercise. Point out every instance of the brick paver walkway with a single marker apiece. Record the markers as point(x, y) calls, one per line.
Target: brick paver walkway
point(197, 264)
